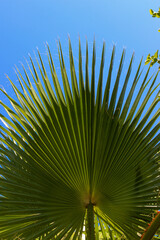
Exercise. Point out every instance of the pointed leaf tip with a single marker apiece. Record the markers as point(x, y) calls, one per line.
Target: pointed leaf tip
point(151, 11)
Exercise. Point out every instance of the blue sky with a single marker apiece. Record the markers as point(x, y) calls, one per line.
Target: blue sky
point(27, 24)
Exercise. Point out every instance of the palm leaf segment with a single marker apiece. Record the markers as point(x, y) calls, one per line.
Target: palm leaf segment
point(75, 164)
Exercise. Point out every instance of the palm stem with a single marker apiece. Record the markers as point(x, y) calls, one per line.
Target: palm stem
point(90, 221)
point(152, 229)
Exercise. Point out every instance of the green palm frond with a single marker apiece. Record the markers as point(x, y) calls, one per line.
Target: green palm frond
point(76, 162)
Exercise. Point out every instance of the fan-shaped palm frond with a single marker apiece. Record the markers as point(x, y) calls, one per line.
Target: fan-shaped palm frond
point(77, 162)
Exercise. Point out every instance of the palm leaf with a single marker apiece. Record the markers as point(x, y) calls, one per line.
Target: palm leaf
point(79, 163)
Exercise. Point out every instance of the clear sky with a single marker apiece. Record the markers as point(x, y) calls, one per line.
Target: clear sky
point(27, 24)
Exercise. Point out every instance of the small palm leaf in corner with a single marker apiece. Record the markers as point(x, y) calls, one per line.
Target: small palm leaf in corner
point(77, 163)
